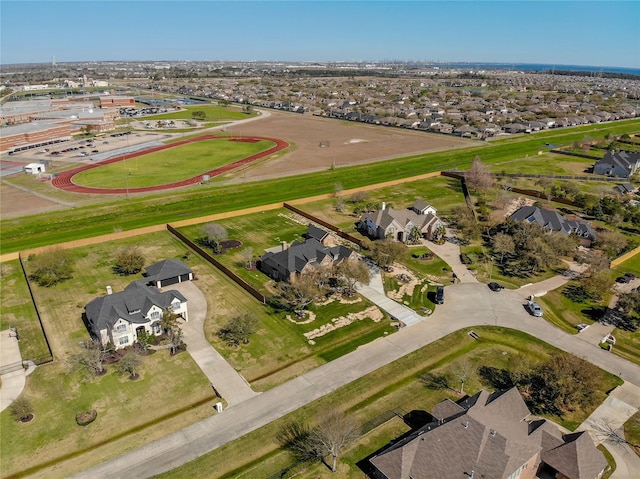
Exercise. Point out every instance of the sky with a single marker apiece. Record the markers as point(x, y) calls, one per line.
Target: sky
point(586, 32)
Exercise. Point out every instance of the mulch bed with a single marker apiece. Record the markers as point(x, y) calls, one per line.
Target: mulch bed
point(230, 244)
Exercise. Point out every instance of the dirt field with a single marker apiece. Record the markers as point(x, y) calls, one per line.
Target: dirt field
point(15, 202)
point(349, 143)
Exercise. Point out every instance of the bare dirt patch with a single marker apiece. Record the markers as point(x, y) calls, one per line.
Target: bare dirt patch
point(343, 143)
point(15, 202)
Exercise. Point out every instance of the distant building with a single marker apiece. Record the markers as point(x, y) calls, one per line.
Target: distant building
point(34, 168)
point(553, 221)
point(116, 101)
point(490, 435)
point(622, 164)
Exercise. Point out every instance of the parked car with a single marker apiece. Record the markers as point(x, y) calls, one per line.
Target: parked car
point(623, 279)
point(631, 276)
point(534, 308)
point(95, 151)
point(493, 286)
point(439, 295)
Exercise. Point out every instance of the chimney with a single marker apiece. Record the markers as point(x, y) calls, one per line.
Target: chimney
point(109, 290)
point(284, 245)
point(384, 205)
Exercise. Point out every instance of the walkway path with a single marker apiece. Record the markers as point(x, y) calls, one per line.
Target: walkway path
point(226, 380)
point(374, 292)
point(11, 360)
point(449, 252)
point(467, 304)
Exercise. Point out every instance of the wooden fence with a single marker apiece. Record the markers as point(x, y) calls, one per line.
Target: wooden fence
point(230, 274)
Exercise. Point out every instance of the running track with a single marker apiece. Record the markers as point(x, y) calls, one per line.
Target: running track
point(64, 180)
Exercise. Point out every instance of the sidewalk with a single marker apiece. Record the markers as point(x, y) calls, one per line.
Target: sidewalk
point(14, 381)
point(374, 292)
point(226, 380)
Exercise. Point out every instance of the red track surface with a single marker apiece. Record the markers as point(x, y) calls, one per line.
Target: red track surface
point(64, 180)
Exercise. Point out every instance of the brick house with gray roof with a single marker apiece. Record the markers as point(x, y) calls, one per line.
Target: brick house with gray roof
point(488, 435)
point(288, 263)
point(553, 221)
point(398, 224)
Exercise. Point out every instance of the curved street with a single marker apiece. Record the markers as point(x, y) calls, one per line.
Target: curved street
point(468, 304)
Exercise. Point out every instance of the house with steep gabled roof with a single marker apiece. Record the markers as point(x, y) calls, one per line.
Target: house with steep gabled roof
point(553, 221)
point(622, 164)
point(118, 318)
point(399, 224)
point(488, 435)
point(288, 263)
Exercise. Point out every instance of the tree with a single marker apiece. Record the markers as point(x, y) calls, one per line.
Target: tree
point(334, 432)
point(611, 242)
point(21, 409)
point(596, 283)
point(248, 109)
point(247, 256)
point(175, 339)
point(145, 339)
point(478, 177)
point(297, 438)
point(128, 261)
point(629, 303)
point(387, 251)
point(239, 329)
point(90, 359)
point(129, 363)
point(87, 129)
point(214, 235)
point(465, 222)
point(461, 372)
point(51, 267)
point(353, 271)
point(503, 244)
point(300, 294)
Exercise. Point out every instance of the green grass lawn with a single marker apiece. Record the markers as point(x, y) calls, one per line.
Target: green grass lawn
point(17, 311)
point(52, 228)
point(171, 393)
point(632, 431)
point(566, 314)
point(212, 112)
point(548, 163)
point(169, 166)
point(395, 386)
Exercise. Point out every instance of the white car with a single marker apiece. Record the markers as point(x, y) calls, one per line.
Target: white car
point(534, 308)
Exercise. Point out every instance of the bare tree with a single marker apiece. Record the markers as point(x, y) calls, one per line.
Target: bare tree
point(247, 256)
point(214, 234)
point(461, 371)
point(353, 271)
point(128, 261)
point(478, 176)
point(297, 438)
point(130, 363)
point(334, 432)
point(90, 359)
point(239, 329)
point(606, 431)
point(503, 244)
point(300, 294)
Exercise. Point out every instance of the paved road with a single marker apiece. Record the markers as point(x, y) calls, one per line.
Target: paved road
point(226, 380)
point(467, 304)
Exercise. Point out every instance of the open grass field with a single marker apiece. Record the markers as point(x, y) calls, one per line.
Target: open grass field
point(169, 166)
point(548, 163)
point(395, 386)
point(81, 222)
point(17, 311)
point(212, 113)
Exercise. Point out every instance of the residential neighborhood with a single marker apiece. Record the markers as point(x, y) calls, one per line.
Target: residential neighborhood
point(465, 309)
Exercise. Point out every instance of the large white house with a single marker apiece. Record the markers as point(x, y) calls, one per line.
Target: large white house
point(118, 318)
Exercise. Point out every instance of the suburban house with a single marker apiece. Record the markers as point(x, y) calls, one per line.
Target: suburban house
point(118, 318)
point(622, 164)
point(398, 224)
point(169, 271)
point(318, 249)
point(553, 221)
point(489, 435)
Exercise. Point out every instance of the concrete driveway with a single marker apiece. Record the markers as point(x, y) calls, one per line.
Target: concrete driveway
point(226, 380)
point(10, 359)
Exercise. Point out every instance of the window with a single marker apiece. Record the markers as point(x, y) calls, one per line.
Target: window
point(123, 340)
point(121, 328)
point(155, 315)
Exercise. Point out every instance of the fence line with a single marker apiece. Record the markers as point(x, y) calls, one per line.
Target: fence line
point(625, 257)
point(35, 306)
point(230, 274)
point(335, 229)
